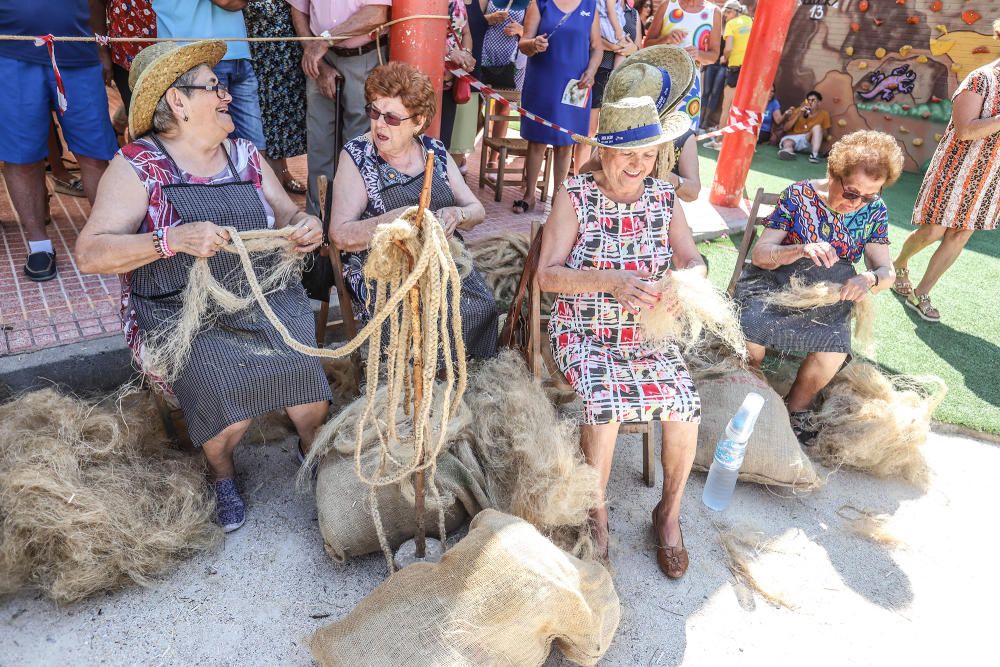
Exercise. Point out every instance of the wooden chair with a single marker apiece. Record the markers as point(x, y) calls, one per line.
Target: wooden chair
point(347, 323)
point(755, 220)
point(538, 361)
point(496, 178)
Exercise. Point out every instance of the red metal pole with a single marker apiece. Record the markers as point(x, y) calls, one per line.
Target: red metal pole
point(421, 42)
point(767, 39)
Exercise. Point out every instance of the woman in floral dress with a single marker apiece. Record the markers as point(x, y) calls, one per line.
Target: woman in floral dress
point(961, 189)
point(282, 86)
point(612, 234)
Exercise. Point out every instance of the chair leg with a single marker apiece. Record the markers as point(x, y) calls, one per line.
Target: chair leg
point(323, 318)
point(501, 177)
point(648, 456)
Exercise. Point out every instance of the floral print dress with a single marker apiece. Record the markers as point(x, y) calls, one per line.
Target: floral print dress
point(597, 344)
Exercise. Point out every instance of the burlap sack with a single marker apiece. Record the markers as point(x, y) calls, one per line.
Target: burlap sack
point(501, 596)
point(774, 455)
point(345, 517)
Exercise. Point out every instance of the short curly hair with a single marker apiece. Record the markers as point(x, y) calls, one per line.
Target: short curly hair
point(876, 154)
point(410, 85)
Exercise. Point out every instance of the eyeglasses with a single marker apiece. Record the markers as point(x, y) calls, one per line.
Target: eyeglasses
point(219, 89)
point(853, 195)
point(391, 119)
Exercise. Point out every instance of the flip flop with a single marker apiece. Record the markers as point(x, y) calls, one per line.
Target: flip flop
point(289, 183)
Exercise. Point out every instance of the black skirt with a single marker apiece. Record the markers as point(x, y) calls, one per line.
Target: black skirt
point(822, 329)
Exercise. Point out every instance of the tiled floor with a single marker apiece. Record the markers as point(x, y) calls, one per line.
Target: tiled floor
point(75, 307)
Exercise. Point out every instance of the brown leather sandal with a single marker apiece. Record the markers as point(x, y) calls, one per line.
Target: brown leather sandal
point(922, 304)
point(673, 561)
point(902, 286)
point(290, 183)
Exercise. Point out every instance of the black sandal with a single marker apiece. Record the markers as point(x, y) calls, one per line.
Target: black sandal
point(521, 206)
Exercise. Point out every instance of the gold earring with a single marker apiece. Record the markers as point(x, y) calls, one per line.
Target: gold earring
point(186, 119)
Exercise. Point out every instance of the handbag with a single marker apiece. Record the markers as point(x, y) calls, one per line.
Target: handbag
point(461, 90)
point(317, 274)
point(502, 77)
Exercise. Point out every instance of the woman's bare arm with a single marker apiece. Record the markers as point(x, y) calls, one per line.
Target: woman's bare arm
point(686, 255)
point(688, 183)
point(464, 198)
point(347, 230)
point(965, 115)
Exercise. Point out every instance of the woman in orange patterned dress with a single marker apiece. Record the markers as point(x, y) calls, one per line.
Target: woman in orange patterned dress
point(961, 190)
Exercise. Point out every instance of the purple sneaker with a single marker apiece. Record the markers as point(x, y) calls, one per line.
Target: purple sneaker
point(229, 508)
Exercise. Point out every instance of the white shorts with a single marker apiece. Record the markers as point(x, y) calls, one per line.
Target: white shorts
point(802, 143)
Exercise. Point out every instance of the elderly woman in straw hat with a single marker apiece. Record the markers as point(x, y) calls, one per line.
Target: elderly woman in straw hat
point(665, 74)
point(611, 235)
point(167, 199)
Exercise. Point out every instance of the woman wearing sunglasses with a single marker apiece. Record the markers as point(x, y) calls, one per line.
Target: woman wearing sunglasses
point(817, 232)
point(380, 175)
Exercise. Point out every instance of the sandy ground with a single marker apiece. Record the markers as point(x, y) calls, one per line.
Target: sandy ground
point(927, 601)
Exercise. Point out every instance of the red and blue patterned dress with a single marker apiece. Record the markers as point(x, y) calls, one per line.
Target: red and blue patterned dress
point(597, 344)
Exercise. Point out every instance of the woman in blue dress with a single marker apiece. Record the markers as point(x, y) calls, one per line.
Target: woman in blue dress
point(562, 39)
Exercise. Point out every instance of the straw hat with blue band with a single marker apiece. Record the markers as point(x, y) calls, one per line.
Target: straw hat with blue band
point(631, 122)
point(663, 72)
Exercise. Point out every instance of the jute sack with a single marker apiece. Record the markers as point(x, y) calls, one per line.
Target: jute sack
point(344, 509)
point(501, 596)
point(773, 455)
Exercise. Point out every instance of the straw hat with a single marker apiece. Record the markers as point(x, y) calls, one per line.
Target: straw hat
point(664, 73)
point(156, 68)
point(632, 122)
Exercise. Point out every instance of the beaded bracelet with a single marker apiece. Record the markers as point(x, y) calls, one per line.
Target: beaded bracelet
point(158, 243)
point(166, 246)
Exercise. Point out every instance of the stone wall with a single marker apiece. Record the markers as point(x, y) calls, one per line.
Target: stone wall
point(889, 65)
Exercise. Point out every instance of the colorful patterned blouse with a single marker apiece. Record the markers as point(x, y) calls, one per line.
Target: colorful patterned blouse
point(130, 18)
point(155, 170)
point(806, 219)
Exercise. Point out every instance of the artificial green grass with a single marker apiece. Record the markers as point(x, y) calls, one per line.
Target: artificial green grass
point(963, 349)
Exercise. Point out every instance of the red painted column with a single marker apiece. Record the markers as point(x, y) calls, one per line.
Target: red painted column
point(421, 42)
point(767, 39)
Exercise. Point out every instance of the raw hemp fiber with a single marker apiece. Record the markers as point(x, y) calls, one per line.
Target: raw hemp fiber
point(706, 315)
point(411, 271)
point(507, 449)
point(501, 596)
point(91, 498)
point(798, 295)
point(501, 260)
point(876, 423)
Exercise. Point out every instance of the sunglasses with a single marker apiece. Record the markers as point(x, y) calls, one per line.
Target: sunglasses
point(391, 119)
point(853, 195)
point(219, 89)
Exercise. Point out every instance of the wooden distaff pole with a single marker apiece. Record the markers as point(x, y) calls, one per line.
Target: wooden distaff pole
point(420, 539)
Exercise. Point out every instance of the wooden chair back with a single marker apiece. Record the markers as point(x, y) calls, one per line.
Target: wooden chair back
point(349, 327)
point(496, 178)
point(750, 232)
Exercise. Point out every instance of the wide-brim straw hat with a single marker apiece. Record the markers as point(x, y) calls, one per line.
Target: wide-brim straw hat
point(632, 122)
point(156, 68)
point(663, 72)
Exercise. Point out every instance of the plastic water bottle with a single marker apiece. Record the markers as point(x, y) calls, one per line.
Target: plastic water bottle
point(729, 454)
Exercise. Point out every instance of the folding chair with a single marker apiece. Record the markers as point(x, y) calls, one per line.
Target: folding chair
point(496, 178)
point(531, 342)
point(750, 234)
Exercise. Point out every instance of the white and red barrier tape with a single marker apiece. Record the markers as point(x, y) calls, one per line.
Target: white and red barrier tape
point(489, 92)
point(740, 120)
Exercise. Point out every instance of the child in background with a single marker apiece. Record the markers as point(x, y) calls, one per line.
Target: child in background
point(612, 17)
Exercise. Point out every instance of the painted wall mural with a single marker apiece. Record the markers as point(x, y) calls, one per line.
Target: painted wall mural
point(889, 65)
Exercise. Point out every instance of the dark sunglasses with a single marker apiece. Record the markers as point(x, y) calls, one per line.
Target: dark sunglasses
point(391, 119)
point(851, 195)
point(219, 89)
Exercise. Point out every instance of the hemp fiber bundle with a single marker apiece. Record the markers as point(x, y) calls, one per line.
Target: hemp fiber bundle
point(507, 448)
point(502, 596)
point(798, 295)
point(501, 261)
point(704, 309)
point(875, 423)
point(91, 499)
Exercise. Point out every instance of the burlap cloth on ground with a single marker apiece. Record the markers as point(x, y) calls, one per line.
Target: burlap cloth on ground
point(501, 596)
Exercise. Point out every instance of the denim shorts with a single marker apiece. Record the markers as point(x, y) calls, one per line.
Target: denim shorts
point(27, 103)
point(238, 76)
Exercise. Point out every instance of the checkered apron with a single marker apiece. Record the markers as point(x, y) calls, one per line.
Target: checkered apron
point(394, 190)
point(239, 366)
point(824, 329)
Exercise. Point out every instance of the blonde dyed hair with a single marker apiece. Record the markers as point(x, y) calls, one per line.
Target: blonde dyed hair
point(874, 153)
